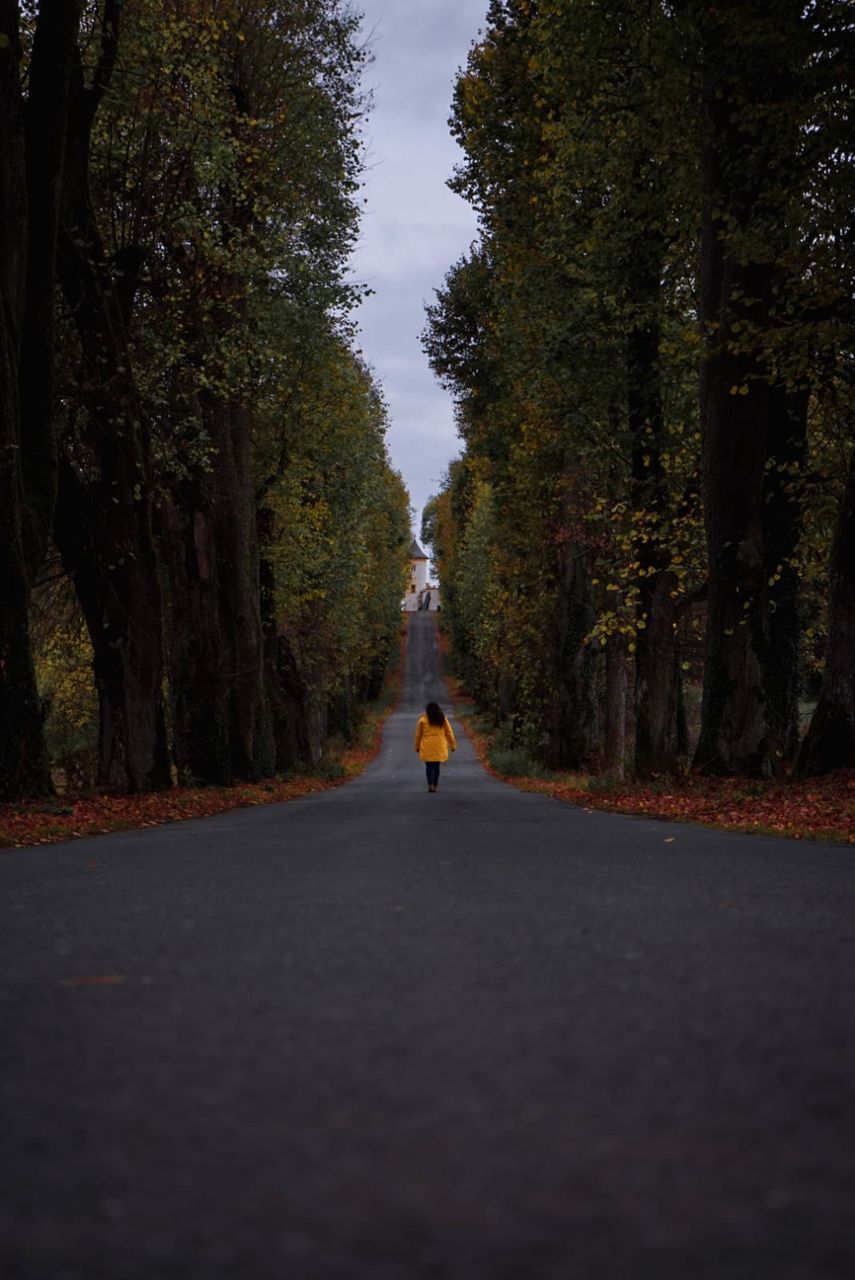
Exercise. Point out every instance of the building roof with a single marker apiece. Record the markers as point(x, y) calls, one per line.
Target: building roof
point(416, 552)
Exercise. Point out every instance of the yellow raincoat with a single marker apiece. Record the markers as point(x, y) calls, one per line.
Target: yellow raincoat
point(433, 741)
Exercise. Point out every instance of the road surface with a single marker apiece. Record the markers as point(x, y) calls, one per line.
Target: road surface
point(378, 1034)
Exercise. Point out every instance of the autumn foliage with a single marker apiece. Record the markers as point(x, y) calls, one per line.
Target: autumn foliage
point(646, 545)
point(202, 539)
point(71, 817)
point(818, 809)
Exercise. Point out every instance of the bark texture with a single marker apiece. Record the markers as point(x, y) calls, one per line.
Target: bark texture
point(572, 721)
point(781, 505)
point(614, 727)
point(750, 422)
point(31, 159)
point(830, 740)
point(296, 708)
point(121, 605)
point(113, 561)
point(219, 675)
point(199, 715)
point(657, 669)
point(242, 657)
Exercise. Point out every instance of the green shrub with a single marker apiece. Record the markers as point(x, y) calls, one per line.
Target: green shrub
point(513, 761)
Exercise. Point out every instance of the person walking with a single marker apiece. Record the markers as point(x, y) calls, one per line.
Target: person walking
point(434, 738)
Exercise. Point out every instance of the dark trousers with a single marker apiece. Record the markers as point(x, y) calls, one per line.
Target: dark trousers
point(432, 771)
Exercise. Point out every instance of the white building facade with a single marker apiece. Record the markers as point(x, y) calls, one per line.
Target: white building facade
point(420, 593)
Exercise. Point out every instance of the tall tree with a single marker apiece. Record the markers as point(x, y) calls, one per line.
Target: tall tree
point(617, 183)
point(636, 168)
point(32, 152)
point(564, 122)
point(223, 273)
point(104, 518)
point(754, 413)
point(335, 536)
point(829, 330)
point(830, 740)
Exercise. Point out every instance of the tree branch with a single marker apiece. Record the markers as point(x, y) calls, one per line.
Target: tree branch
point(106, 58)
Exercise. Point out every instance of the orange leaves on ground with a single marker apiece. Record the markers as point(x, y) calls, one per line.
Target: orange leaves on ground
point(818, 809)
point(822, 809)
point(41, 822)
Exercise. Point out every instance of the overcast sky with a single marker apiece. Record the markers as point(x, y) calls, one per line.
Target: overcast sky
point(413, 228)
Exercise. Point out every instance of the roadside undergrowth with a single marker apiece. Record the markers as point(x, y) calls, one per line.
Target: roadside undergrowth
point(70, 817)
point(817, 809)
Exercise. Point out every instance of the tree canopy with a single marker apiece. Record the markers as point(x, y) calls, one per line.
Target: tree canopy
point(195, 465)
point(650, 348)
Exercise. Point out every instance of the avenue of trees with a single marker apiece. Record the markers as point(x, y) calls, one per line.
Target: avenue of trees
point(202, 543)
point(652, 351)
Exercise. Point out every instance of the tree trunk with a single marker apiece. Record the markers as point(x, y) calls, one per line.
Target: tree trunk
point(23, 763)
point(614, 753)
point(301, 724)
point(219, 679)
point(31, 153)
point(572, 723)
point(733, 726)
point(24, 766)
point(46, 127)
point(657, 683)
point(274, 695)
point(113, 562)
point(251, 747)
point(734, 734)
point(830, 741)
point(120, 600)
point(199, 713)
point(753, 514)
point(781, 506)
point(659, 742)
point(747, 416)
point(297, 709)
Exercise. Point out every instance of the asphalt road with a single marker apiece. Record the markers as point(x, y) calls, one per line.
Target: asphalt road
point(378, 1034)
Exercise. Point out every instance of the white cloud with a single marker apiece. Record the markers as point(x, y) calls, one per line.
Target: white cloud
point(414, 227)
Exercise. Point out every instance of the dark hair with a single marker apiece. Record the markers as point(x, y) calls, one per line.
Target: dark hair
point(434, 714)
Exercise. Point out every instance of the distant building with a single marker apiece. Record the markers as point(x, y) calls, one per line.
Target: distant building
point(418, 578)
point(420, 593)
